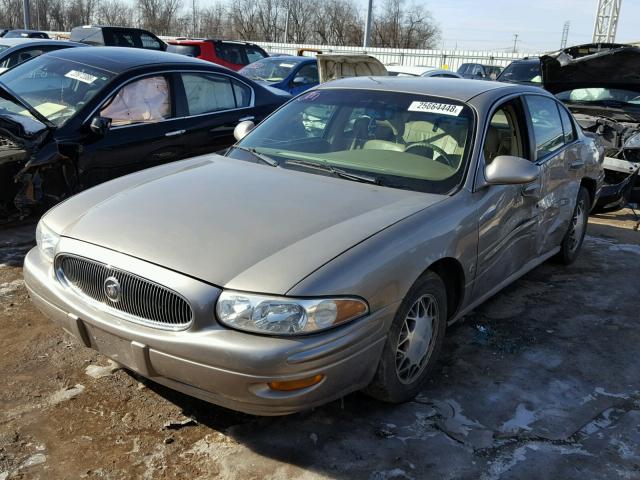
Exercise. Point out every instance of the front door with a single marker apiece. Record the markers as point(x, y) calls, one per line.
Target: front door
point(213, 105)
point(508, 215)
point(142, 132)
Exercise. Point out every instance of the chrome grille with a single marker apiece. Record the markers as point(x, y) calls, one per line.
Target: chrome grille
point(142, 300)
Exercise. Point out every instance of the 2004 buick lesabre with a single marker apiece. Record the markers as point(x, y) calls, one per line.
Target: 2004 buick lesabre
point(329, 249)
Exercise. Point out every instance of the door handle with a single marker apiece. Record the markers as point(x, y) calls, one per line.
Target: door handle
point(577, 165)
point(530, 190)
point(175, 133)
point(248, 117)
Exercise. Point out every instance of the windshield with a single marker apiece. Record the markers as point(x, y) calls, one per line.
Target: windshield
point(3, 47)
point(402, 140)
point(272, 70)
point(56, 88)
point(522, 72)
point(601, 96)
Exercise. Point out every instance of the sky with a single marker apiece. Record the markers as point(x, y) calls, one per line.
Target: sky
point(491, 24)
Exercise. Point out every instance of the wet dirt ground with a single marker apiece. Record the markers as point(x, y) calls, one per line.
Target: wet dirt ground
point(542, 381)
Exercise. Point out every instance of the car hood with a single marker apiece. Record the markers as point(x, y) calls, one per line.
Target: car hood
point(232, 223)
point(607, 65)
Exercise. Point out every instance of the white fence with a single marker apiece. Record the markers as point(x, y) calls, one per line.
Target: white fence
point(450, 59)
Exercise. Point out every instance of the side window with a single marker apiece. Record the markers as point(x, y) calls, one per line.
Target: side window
point(504, 134)
point(208, 93)
point(144, 101)
point(149, 42)
point(309, 73)
point(230, 53)
point(253, 54)
point(547, 126)
point(567, 125)
point(19, 57)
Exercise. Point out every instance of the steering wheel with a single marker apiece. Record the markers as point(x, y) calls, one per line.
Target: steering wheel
point(434, 148)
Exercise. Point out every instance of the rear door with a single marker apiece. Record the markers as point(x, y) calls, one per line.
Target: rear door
point(508, 215)
point(212, 104)
point(557, 152)
point(231, 55)
point(144, 131)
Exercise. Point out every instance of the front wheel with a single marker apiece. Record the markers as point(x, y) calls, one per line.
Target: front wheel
point(414, 341)
point(572, 241)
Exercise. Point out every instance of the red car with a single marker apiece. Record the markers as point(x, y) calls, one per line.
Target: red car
point(233, 55)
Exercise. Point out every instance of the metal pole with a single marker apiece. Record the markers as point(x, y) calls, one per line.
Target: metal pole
point(25, 11)
point(515, 42)
point(194, 17)
point(367, 25)
point(286, 28)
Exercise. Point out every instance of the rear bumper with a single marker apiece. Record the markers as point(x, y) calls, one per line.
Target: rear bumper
point(217, 364)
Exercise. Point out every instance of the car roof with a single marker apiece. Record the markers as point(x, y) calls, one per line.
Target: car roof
point(14, 42)
point(120, 59)
point(454, 88)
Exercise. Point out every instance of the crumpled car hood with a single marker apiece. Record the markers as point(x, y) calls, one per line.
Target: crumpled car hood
point(232, 223)
point(607, 65)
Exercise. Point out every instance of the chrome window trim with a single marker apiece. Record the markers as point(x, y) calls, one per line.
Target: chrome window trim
point(164, 72)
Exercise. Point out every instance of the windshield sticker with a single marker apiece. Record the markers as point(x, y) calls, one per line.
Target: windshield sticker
point(287, 64)
point(433, 107)
point(309, 97)
point(81, 76)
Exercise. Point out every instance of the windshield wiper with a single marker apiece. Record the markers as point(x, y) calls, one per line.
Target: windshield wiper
point(260, 156)
point(338, 172)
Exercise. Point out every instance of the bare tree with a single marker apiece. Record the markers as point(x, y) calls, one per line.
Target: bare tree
point(396, 26)
point(115, 12)
point(160, 16)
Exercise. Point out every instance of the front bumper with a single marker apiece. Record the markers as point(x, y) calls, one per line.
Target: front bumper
point(209, 361)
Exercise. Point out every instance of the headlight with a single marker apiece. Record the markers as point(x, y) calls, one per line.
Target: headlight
point(633, 141)
point(47, 240)
point(285, 316)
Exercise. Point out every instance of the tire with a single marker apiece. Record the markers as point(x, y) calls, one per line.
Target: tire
point(572, 241)
point(394, 382)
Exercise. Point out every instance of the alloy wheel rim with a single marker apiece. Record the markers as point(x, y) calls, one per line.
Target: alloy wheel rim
point(415, 342)
point(577, 227)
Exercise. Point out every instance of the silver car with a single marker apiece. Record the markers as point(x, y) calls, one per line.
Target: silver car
point(329, 249)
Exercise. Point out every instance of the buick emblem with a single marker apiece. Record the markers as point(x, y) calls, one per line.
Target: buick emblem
point(112, 289)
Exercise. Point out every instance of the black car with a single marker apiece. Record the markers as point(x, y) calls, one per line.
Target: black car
point(25, 34)
point(104, 36)
point(77, 117)
point(525, 71)
point(14, 51)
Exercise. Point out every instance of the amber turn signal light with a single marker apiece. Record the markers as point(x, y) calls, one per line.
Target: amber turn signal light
point(287, 386)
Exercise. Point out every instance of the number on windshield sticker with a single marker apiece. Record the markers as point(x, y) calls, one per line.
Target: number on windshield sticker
point(433, 107)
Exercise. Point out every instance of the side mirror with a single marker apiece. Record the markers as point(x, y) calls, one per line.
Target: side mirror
point(299, 81)
point(243, 129)
point(510, 170)
point(100, 125)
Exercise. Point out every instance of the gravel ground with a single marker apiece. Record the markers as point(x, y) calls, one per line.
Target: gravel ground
point(539, 382)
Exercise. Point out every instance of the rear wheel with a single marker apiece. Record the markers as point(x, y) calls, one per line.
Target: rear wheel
point(572, 241)
point(414, 342)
